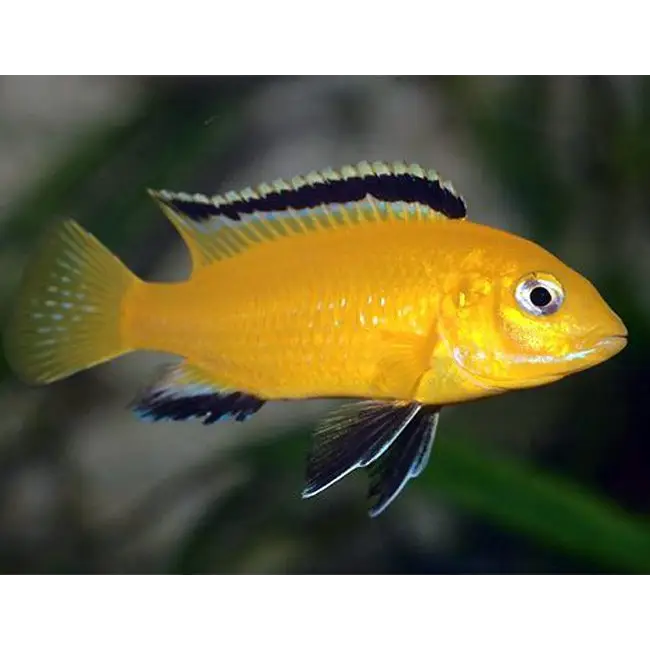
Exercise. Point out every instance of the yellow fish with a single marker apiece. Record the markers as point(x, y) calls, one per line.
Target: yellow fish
point(367, 283)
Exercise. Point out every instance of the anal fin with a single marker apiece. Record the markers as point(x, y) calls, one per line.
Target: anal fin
point(184, 392)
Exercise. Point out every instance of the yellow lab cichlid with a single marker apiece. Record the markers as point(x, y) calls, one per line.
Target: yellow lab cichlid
point(367, 283)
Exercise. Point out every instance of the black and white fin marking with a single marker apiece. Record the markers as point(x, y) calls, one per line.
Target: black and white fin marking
point(183, 392)
point(405, 459)
point(216, 227)
point(354, 436)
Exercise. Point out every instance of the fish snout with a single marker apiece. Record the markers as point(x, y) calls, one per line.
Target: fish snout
point(610, 337)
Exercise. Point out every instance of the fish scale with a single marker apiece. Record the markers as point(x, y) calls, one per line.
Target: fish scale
point(282, 295)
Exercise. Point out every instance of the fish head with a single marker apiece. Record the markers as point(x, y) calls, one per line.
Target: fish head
point(534, 321)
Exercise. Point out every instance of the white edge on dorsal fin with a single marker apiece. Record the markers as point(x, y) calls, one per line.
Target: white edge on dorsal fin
point(218, 237)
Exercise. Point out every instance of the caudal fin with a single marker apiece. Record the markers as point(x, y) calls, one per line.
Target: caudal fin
point(67, 311)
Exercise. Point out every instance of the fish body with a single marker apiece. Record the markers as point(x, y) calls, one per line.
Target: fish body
point(367, 283)
point(379, 310)
point(333, 313)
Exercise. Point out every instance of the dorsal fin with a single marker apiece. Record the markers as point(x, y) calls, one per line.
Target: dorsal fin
point(223, 225)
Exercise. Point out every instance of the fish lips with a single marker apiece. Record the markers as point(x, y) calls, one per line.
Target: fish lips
point(613, 344)
point(604, 348)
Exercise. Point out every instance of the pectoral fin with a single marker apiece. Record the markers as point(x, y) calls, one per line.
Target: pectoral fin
point(405, 359)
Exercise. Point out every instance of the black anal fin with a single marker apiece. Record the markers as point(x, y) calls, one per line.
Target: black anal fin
point(405, 459)
point(354, 436)
point(184, 392)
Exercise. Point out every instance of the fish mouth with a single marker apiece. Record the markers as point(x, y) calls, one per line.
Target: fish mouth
point(612, 344)
point(604, 348)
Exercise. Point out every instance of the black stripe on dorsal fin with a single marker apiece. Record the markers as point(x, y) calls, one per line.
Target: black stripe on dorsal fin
point(396, 182)
point(184, 392)
point(405, 459)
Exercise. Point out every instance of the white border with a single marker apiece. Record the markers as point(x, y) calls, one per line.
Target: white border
point(332, 613)
point(333, 37)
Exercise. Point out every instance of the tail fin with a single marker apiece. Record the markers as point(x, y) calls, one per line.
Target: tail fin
point(67, 315)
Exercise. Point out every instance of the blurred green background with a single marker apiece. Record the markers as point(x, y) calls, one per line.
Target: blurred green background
point(551, 480)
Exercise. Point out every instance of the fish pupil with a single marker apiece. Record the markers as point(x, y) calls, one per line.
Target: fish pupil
point(540, 297)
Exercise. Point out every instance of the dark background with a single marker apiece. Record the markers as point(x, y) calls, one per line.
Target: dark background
point(550, 480)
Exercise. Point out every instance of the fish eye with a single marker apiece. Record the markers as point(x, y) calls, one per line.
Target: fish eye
point(539, 296)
